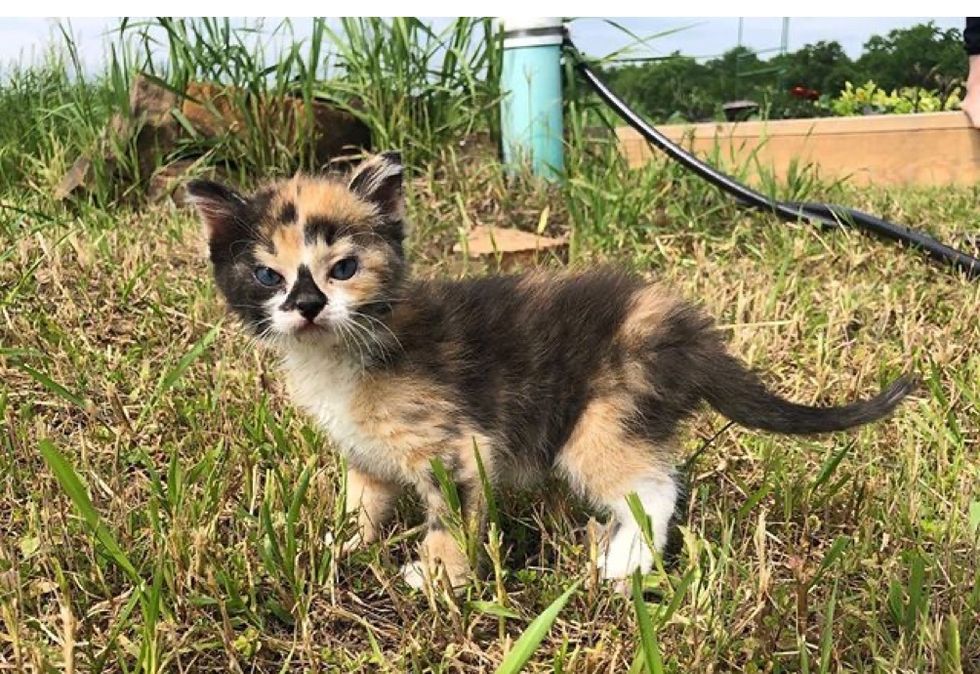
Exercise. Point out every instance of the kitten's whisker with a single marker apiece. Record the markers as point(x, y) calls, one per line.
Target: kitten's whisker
point(239, 305)
point(362, 332)
point(269, 334)
point(343, 337)
point(368, 333)
point(383, 300)
point(382, 325)
point(345, 329)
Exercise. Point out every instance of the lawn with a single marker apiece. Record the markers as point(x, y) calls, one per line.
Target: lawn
point(163, 508)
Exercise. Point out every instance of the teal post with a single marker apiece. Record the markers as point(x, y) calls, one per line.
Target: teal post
point(531, 105)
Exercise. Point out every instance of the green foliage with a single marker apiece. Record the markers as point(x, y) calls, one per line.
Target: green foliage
point(49, 111)
point(674, 87)
point(649, 648)
point(434, 87)
point(680, 87)
point(414, 87)
point(927, 61)
point(525, 646)
point(823, 66)
point(921, 56)
point(872, 99)
point(76, 491)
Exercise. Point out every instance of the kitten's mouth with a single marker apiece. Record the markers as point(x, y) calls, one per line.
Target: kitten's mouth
point(309, 328)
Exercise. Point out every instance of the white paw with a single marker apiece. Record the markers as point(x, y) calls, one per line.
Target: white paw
point(413, 573)
point(615, 569)
point(618, 571)
point(626, 553)
point(623, 586)
point(350, 545)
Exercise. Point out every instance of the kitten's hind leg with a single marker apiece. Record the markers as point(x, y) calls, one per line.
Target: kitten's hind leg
point(628, 548)
point(606, 463)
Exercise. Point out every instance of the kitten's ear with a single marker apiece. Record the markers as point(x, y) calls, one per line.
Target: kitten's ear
point(379, 181)
point(221, 208)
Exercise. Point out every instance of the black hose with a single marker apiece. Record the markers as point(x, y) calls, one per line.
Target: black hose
point(827, 214)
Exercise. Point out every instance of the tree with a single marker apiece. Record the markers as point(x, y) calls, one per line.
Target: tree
point(737, 73)
point(823, 66)
point(923, 55)
point(677, 85)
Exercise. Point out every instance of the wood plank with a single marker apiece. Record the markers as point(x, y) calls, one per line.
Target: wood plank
point(921, 149)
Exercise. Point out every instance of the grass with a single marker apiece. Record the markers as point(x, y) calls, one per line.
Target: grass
point(163, 508)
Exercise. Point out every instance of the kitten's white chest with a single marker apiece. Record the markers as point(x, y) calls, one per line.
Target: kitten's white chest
point(326, 387)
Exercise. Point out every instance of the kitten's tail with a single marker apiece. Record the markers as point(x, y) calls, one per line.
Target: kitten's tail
point(696, 349)
point(736, 392)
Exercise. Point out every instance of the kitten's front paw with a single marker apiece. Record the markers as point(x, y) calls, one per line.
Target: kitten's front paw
point(416, 573)
point(352, 544)
point(413, 573)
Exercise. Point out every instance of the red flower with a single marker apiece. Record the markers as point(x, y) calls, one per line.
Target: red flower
point(805, 93)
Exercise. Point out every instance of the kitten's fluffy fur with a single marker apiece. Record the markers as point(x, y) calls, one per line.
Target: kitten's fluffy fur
point(587, 375)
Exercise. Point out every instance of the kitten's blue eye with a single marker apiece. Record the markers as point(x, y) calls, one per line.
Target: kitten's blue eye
point(344, 269)
point(267, 277)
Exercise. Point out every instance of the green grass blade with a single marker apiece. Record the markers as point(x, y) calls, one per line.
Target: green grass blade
point(917, 595)
point(169, 379)
point(120, 623)
point(953, 655)
point(73, 486)
point(528, 642)
point(830, 466)
point(648, 635)
point(271, 543)
point(53, 386)
point(299, 495)
point(639, 663)
point(827, 638)
point(837, 548)
point(493, 514)
point(754, 499)
point(447, 485)
point(679, 593)
point(292, 515)
point(203, 343)
point(642, 518)
point(492, 608)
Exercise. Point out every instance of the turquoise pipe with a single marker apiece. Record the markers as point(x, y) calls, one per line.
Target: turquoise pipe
point(531, 102)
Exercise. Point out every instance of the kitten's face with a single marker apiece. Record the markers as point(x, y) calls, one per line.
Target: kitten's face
point(309, 259)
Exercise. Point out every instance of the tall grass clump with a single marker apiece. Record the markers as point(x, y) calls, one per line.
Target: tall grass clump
point(262, 98)
point(49, 111)
point(415, 87)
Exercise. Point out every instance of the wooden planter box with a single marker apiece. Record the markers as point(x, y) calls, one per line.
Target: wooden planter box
point(939, 148)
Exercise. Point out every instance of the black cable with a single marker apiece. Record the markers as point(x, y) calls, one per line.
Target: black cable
point(826, 214)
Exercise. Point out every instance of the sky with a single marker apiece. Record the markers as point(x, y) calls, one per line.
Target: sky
point(24, 39)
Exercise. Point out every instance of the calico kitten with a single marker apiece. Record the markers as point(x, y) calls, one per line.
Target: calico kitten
point(585, 375)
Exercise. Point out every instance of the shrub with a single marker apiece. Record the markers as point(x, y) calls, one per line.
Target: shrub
point(871, 99)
